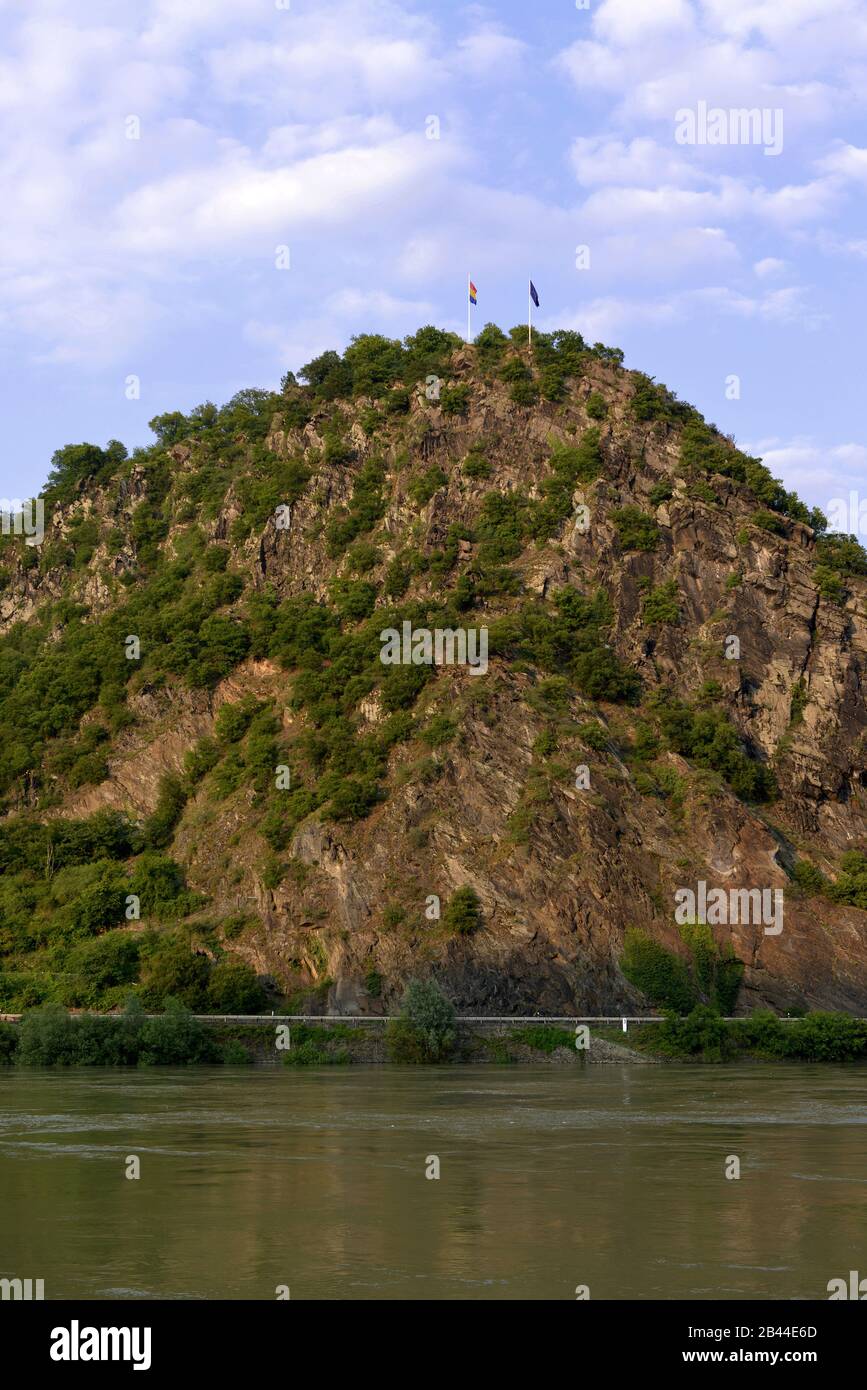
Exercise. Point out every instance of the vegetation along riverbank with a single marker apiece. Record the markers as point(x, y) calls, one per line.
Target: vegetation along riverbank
point(426, 1031)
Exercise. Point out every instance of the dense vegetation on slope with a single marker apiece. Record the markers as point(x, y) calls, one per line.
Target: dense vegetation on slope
point(158, 548)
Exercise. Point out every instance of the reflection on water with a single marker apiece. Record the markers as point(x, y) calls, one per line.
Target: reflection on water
point(551, 1177)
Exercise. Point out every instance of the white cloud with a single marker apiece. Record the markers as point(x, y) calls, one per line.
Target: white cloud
point(630, 22)
point(823, 474)
point(834, 19)
point(235, 203)
point(769, 265)
point(346, 311)
point(604, 319)
point(601, 159)
point(785, 305)
point(608, 317)
point(378, 306)
point(730, 200)
point(489, 52)
point(847, 161)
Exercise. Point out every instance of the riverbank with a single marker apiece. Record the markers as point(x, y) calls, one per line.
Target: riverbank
point(52, 1037)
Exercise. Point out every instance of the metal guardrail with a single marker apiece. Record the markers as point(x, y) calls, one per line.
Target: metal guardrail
point(388, 1018)
point(366, 1018)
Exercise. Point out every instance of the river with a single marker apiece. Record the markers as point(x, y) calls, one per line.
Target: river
point(314, 1180)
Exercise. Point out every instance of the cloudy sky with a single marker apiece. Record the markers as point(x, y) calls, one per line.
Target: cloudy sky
point(156, 155)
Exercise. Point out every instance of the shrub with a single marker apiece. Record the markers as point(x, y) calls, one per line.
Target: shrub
point(215, 559)
point(316, 1047)
point(649, 400)
point(233, 988)
point(717, 972)
point(799, 701)
point(94, 967)
point(475, 465)
point(8, 1044)
point(439, 731)
point(455, 400)
point(524, 393)
point(46, 1038)
point(661, 605)
point(829, 584)
point(200, 759)
point(635, 529)
point(401, 686)
point(658, 974)
point(838, 556)
point(51, 1037)
point(708, 739)
point(353, 598)
point(595, 406)
point(761, 1033)
point(174, 971)
point(850, 886)
point(702, 1030)
point(353, 799)
point(769, 521)
point(464, 911)
point(159, 884)
point(20, 990)
point(425, 1030)
point(397, 578)
point(422, 489)
point(809, 877)
point(365, 509)
point(552, 382)
point(490, 345)
point(175, 1039)
point(659, 493)
point(571, 642)
point(500, 528)
point(825, 1037)
point(363, 557)
point(171, 800)
point(542, 1037)
point(595, 736)
point(515, 370)
point(338, 449)
point(570, 465)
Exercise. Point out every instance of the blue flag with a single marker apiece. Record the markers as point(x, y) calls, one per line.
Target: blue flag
point(534, 295)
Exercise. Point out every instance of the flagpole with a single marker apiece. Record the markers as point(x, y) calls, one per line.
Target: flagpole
point(529, 316)
point(468, 306)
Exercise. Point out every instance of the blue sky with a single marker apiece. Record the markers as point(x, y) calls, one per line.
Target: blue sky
point(263, 125)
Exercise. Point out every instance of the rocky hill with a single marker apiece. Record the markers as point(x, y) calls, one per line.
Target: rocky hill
point(212, 783)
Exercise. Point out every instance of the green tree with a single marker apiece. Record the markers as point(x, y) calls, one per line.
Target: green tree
point(174, 971)
point(463, 913)
point(233, 988)
point(425, 1031)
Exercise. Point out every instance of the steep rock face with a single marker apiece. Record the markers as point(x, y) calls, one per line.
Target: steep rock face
point(561, 872)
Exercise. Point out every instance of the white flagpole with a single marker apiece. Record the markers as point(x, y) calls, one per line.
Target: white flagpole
point(469, 306)
point(529, 315)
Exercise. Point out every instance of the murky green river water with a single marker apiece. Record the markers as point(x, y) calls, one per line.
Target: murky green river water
point(550, 1178)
